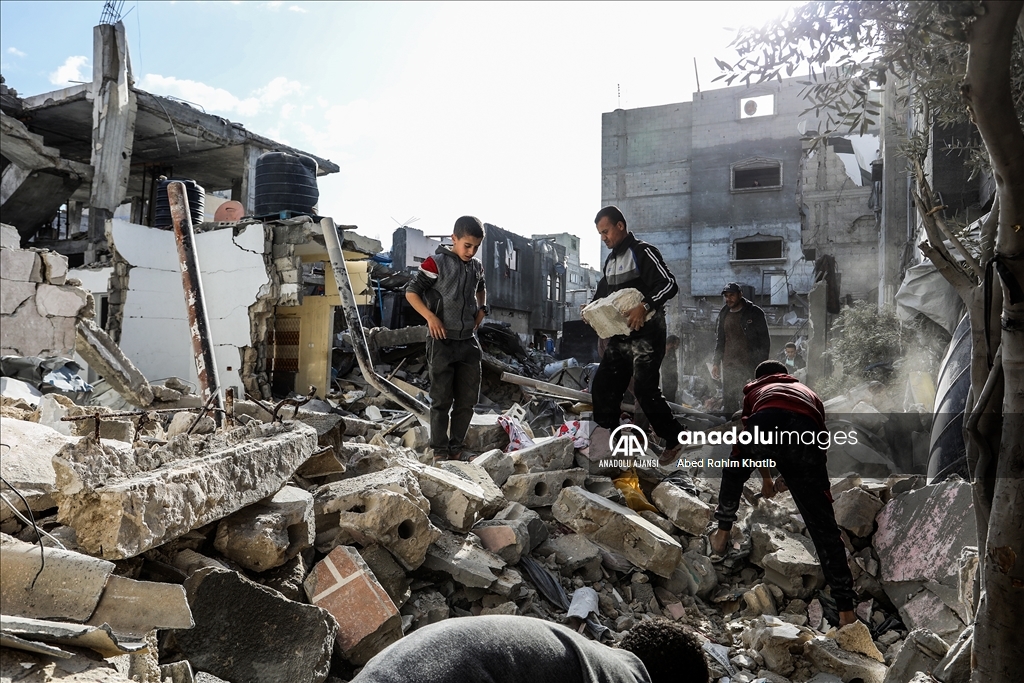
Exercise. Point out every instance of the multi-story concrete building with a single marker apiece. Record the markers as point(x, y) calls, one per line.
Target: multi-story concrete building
point(580, 279)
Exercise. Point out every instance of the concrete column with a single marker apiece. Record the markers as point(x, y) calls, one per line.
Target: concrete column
point(895, 195)
point(816, 302)
point(247, 187)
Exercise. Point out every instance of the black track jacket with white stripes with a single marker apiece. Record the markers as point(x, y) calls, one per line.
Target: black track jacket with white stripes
point(639, 265)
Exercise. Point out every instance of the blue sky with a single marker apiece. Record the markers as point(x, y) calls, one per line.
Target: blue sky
point(432, 110)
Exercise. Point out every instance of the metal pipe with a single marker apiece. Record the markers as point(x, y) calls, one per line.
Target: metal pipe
point(355, 327)
point(195, 302)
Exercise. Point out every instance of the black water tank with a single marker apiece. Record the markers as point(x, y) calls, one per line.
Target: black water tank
point(196, 203)
point(285, 185)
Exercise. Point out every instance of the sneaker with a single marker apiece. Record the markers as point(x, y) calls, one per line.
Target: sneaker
point(670, 455)
point(464, 456)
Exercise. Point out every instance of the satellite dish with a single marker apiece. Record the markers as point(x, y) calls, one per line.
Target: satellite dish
point(801, 127)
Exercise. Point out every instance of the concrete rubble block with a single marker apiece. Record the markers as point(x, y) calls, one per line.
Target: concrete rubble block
point(13, 294)
point(365, 458)
point(426, 608)
point(955, 666)
point(920, 533)
point(619, 529)
point(368, 621)
point(927, 610)
point(20, 265)
point(287, 579)
point(137, 607)
point(485, 434)
point(534, 524)
point(776, 641)
point(27, 465)
point(28, 333)
point(190, 561)
point(541, 489)
point(18, 665)
point(64, 633)
point(53, 408)
point(788, 560)
point(922, 650)
point(9, 237)
point(463, 559)
point(456, 500)
point(826, 655)
point(104, 356)
point(384, 507)
point(118, 505)
point(573, 553)
point(416, 438)
point(177, 672)
point(268, 533)
point(509, 584)
point(554, 453)
point(856, 637)
point(494, 499)
point(294, 641)
point(695, 576)
point(608, 315)
point(855, 511)
point(759, 601)
point(38, 589)
point(389, 573)
point(55, 267)
point(689, 513)
point(62, 302)
point(498, 464)
point(506, 539)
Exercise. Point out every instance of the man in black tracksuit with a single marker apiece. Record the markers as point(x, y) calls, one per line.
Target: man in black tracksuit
point(638, 355)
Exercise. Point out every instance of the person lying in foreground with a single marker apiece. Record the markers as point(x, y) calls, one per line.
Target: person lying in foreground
point(511, 649)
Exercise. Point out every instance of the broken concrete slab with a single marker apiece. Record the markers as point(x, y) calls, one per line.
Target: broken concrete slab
point(497, 463)
point(955, 666)
point(267, 534)
point(99, 639)
point(694, 575)
point(775, 640)
point(135, 608)
point(20, 265)
point(855, 511)
point(534, 524)
point(485, 434)
point(17, 665)
point(608, 315)
point(922, 650)
point(463, 559)
point(856, 637)
point(927, 610)
point(385, 507)
point(368, 621)
point(617, 528)
point(788, 560)
point(118, 510)
point(573, 553)
point(920, 533)
point(494, 499)
point(540, 489)
point(104, 356)
point(759, 601)
point(689, 513)
point(507, 539)
point(826, 655)
point(554, 453)
point(389, 573)
point(27, 465)
point(13, 294)
point(294, 641)
point(426, 608)
point(55, 267)
point(61, 302)
point(457, 501)
point(38, 589)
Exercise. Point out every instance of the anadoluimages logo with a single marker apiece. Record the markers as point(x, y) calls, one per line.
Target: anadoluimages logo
point(628, 441)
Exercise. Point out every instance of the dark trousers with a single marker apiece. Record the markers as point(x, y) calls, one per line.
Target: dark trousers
point(804, 468)
point(454, 390)
point(637, 358)
point(734, 378)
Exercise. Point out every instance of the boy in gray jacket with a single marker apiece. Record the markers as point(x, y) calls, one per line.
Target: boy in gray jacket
point(448, 291)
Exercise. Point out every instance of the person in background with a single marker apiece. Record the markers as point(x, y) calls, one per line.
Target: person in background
point(791, 358)
point(743, 342)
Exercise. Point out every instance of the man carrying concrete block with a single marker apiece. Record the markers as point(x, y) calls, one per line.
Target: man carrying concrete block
point(637, 355)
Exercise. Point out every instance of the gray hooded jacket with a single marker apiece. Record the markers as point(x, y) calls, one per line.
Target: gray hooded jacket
point(448, 285)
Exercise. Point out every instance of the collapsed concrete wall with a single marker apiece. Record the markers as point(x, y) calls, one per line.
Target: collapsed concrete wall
point(40, 306)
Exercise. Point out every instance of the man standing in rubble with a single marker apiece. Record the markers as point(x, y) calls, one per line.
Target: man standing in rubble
point(776, 404)
point(449, 292)
point(638, 355)
point(743, 342)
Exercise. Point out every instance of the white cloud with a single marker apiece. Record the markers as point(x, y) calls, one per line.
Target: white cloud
point(219, 100)
point(274, 5)
point(71, 70)
point(15, 51)
point(296, 8)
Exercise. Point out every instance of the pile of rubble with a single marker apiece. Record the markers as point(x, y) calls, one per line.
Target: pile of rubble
point(297, 549)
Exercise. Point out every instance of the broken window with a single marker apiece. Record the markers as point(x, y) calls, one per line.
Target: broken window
point(755, 174)
point(757, 248)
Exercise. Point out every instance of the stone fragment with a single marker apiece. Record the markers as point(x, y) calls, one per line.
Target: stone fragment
point(617, 528)
point(464, 560)
point(555, 453)
point(287, 579)
point(20, 265)
point(695, 576)
point(540, 489)
point(688, 513)
point(190, 561)
point(458, 502)
point(927, 610)
point(385, 507)
point(788, 560)
point(120, 511)
point(104, 356)
point(955, 666)
point(177, 672)
point(856, 637)
point(368, 621)
point(63, 302)
point(137, 607)
point(13, 294)
point(19, 665)
point(921, 651)
point(426, 608)
point(759, 601)
point(855, 511)
point(9, 237)
point(389, 573)
point(608, 315)
point(293, 641)
point(573, 553)
point(27, 465)
point(538, 531)
point(494, 499)
point(508, 540)
point(920, 533)
point(268, 533)
point(509, 584)
point(497, 463)
point(824, 654)
point(776, 641)
point(485, 434)
point(55, 267)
